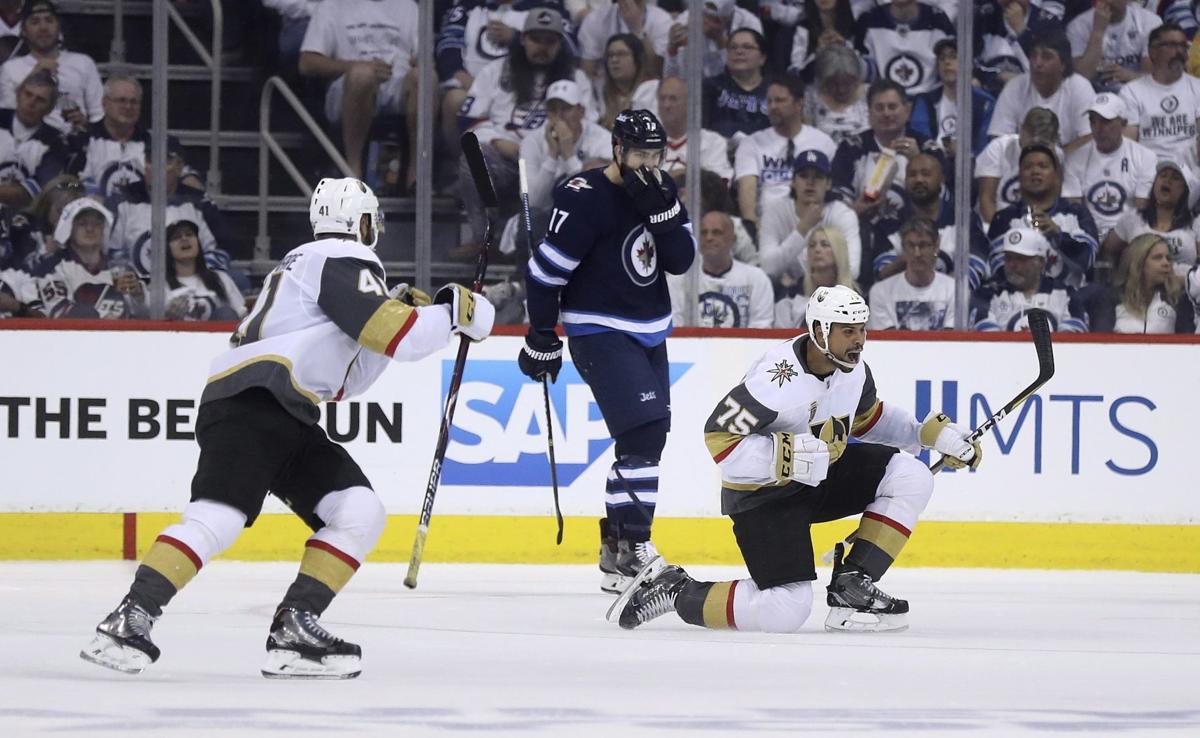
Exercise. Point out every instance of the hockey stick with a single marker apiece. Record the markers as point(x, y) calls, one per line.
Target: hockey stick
point(1039, 330)
point(487, 193)
point(545, 384)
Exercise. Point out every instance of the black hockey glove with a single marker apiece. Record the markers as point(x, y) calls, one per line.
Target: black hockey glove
point(541, 356)
point(653, 194)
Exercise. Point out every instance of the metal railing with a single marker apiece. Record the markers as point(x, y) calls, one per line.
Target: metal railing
point(211, 60)
point(270, 145)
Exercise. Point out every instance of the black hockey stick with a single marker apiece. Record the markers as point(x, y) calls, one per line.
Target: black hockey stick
point(1039, 330)
point(545, 383)
point(487, 193)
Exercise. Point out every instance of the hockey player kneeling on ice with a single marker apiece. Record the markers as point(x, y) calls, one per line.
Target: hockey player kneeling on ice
point(323, 328)
point(779, 438)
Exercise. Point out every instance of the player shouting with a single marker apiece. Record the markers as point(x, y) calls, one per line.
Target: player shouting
point(779, 438)
point(612, 235)
point(323, 328)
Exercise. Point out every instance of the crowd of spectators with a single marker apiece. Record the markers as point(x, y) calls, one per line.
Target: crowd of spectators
point(827, 153)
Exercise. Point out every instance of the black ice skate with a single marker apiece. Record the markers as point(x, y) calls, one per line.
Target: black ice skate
point(620, 567)
point(650, 595)
point(299, 648)
point(857, 605)
point(122, 640)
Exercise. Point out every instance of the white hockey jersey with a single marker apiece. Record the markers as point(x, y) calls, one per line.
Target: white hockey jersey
point(779, 394)
point(323, 329)
point(742, 297)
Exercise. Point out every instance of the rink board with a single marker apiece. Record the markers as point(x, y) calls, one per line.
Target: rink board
point(1094, 472)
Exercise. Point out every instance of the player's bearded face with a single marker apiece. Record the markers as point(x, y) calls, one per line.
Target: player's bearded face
point(637, 158)
point(846, 341)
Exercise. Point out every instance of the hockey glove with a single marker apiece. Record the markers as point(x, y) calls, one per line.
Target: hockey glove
point(653, 194)
point(541, 356)
point(409, 295)
point(470, 314)
point(950, 440)
point(802, 458)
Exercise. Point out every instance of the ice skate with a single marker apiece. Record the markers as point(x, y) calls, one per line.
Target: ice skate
point(609, 577)
point(650, 594)
point(630, 559)
point(857, 605)
point(299, 648)
point(122, 640)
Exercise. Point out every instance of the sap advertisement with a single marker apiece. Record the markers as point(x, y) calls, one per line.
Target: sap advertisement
point(103, 421)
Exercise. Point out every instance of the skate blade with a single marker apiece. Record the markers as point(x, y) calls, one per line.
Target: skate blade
point(108, 653)
point(649, 570)
point(291, 665)
point(849, 620)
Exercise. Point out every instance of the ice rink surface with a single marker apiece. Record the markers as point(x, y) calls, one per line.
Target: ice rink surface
point(525, 650)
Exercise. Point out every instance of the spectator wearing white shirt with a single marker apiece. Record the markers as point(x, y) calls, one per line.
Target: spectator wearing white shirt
point(920, 298)
point(293, 16)
point(836, 102)
point(1050, 83)
point(825, 264)
point(650, 24)
point(787, 224)
point(1168, 214)
point(1146, 295)
point(1109, 42)
point(366, 47)
point(1114, 172)
point(731, 294)
point(765, 160)
point(1163, 104)
point(998, 167)
point(672, 100)
point(79, 88)
point(626, 83)
point(506, 104)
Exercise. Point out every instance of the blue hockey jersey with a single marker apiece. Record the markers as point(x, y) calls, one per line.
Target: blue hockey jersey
point(600, 268)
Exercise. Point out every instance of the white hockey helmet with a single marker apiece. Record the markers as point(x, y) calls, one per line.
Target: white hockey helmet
point(836, 304)
point(338, 205)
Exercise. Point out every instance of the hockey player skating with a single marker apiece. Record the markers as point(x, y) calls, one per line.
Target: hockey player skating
point(779, 438)
point(323, 328)
point(612, 235)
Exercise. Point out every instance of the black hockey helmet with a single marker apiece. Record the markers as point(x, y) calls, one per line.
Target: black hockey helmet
point(639, 129)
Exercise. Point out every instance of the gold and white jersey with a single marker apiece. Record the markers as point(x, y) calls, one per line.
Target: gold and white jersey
point(322, 329)
point(780, 394)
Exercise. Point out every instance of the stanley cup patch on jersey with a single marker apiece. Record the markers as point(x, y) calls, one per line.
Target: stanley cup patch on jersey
point(639, 255)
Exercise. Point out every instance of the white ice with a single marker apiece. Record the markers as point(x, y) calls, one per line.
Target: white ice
point(525, 650)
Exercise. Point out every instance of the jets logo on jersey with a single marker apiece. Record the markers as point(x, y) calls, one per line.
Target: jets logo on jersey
point(1169, 104)
point(1107, 197)
point(1010, 191)
point(718, 310)
point(1020, 321)
point(906, 70)
point(639, 256)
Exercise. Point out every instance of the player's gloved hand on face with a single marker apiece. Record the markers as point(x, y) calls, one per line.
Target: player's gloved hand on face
point(950, 440)
point(541, 355)
point(470, 313)
point(802, 458)
point(409, 295)
point(653, 193)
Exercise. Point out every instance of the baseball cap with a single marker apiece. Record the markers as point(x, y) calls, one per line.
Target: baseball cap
point(543, 19)
point(38, 6)
point(812, 159)
point(1107, 106)
point(1027, 241)
point(1037, 146)
point(723, 8)
point(566, 90)
point(72, 210)
point(1189, 178)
